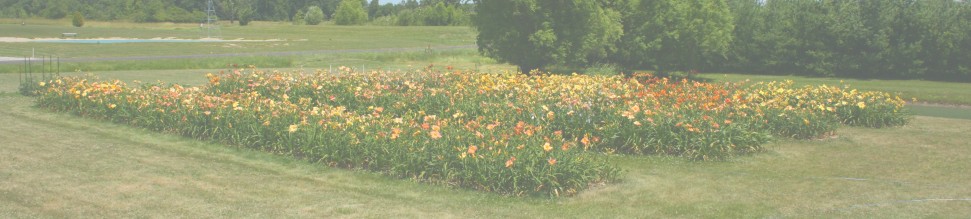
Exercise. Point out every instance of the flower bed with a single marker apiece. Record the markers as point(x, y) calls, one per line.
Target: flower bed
point(505, 133)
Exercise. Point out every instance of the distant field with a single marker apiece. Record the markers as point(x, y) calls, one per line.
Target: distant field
point(335, 46)
point(292, 38)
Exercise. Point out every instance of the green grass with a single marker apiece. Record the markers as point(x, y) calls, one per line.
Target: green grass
point(325, 37)
point(62, 165)
point(293, 38)
point(924, 91)
point(461, 59)
point(161, 64)
point(941, 111)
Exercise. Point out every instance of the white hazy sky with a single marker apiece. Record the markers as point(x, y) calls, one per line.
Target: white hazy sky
point(389, 1)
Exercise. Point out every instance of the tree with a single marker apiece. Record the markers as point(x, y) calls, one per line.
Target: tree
point(350, 12)
point(274, 10)
point(57, 9)
point(533, 34)
point(298, 18)
point(372, 9)
point(746, 53)
point(437, 15)
point(411, 4)
point(457, 16)
point(675, 34)
point(314, 15)
point(239, 10)
point(22, 14)
point(409, 17)
point(245, 16)
point(948, 30)
point(77, 20)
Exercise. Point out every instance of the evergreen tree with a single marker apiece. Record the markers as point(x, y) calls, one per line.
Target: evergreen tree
point(77, 20)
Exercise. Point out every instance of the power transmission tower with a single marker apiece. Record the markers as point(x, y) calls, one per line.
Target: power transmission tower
point(211, 19)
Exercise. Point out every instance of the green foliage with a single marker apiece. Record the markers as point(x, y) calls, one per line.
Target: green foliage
point(242, 10)
point(408, 17)
point(867, 39)
point(533, 34)
point(299, 18)
point(77, 19)
point(674, 34)
point(372, 9)
point(437, 15)
point(245, 19)
point(314, 15)
point(350, 12)
point(429, 15)
point(633, 35)
point(55, 9)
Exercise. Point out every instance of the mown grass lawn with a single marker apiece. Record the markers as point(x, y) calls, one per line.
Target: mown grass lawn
point(287, 37)
point(58, 165)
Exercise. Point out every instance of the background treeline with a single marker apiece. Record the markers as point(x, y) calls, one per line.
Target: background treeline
point(411, 12)
point(923, 39)
point(424, 13)
point(928, 39)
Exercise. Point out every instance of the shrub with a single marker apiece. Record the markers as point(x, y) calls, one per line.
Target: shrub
point(350, 12)
point(298, 18)
point(77, 19)
point(314, 15)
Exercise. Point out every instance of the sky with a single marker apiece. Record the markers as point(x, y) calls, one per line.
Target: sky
point(389, 1)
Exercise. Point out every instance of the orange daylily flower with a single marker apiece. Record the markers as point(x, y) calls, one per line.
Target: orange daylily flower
point(472, 149)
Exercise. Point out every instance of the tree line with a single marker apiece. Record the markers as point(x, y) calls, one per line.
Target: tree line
point(410, 12)
point(918, 39)
point(913, 39)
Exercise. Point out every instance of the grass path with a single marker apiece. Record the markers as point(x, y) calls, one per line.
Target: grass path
point(58, 165)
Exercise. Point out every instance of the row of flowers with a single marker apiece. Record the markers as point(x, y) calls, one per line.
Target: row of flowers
point(506, 133)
